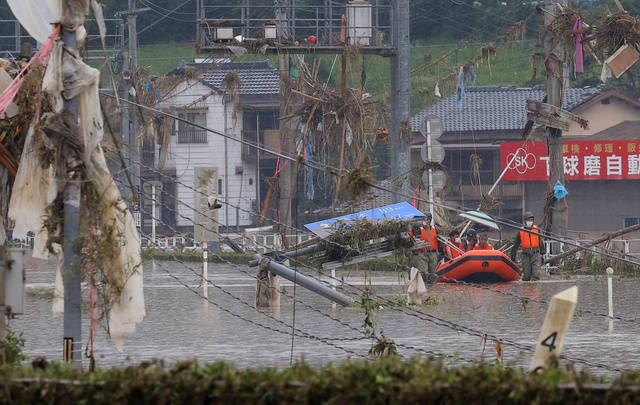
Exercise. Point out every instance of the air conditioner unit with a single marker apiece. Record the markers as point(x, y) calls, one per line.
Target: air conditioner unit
point(359, 22)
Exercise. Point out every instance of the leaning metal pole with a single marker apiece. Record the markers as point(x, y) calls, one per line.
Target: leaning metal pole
point(72, 342)
point(306, 282)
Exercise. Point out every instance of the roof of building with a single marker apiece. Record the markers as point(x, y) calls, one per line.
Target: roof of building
point(625, 130)
point(495, 108)
point(256, 78)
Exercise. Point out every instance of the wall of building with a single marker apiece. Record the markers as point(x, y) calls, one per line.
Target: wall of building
point(594, 205)
point(603, 116)
point(185, 157)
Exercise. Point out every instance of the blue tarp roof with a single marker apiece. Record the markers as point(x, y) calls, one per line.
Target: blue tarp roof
point(401, 211)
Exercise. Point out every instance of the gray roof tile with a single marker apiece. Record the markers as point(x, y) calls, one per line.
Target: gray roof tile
point(256, 78)
point(494, 108)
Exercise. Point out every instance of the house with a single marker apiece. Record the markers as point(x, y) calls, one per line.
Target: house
point(238, 169)
point(492, 118)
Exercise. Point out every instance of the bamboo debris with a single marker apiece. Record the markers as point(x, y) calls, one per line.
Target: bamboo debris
point(616, 30)
point(356, 235)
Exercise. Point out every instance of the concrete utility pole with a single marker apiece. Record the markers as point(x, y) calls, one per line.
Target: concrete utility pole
point(286, 179)
point(72, 342)
point(132, 15)
point(554, 83)
point(123, 90)
point(400, 107)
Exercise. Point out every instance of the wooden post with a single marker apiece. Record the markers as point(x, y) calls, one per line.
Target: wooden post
point(555, 327)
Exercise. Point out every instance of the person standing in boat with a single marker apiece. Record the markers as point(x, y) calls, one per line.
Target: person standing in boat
point(429, 235)
point(483, 243)
point(453, 247)
point(531, 244)
point(471, 240)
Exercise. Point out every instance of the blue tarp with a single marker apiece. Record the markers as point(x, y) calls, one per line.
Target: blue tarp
point(402, 211)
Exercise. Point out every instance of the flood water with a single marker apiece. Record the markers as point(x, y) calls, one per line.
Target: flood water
point(181, 325)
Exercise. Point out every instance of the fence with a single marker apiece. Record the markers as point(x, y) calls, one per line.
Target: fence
point(13, 35)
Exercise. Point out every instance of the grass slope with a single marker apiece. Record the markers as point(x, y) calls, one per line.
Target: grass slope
point(430, 63)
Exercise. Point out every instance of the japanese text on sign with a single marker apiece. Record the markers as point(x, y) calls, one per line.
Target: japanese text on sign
point(582, 160)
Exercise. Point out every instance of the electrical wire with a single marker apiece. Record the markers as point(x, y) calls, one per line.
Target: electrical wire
point(335, 172)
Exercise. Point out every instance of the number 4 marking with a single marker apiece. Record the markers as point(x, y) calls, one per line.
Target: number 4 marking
point(550, 341)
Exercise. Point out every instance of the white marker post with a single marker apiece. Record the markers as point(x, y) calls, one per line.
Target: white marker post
point(334, 283)
point(153, 214)
point(610, 293)
point(554, 328)
point(205, 271)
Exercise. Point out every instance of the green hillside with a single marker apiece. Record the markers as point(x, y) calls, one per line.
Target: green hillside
point(430, 63)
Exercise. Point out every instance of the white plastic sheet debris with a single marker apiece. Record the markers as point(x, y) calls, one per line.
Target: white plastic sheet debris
point(416, 290)
point(38, 17)
point(35, 188)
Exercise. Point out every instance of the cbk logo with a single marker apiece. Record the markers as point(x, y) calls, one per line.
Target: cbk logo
point(522, 161)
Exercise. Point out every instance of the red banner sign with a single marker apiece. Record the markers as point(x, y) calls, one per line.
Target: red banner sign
point(583, 160)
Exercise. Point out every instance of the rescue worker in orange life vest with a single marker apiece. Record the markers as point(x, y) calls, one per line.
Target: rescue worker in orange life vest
point(429, 235)
point(454, 247)
point(483, 243)
point(531, 244)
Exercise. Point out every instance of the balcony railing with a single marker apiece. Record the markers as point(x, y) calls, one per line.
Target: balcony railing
point(192, 136)
point(369, 26)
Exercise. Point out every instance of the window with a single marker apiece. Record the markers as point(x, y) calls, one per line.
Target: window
point(188, 133)
point(605, 101)
point(219, 186)
point(631, 222)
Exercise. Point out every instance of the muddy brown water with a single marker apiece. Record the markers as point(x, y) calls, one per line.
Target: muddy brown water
point(180, 325)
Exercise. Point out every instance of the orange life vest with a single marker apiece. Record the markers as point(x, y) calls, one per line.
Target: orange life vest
point(453, 252)
point(431, 238)
point(530, 240)
point(489, 247)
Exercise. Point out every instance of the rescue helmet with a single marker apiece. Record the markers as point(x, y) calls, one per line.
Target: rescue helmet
point(527, 215)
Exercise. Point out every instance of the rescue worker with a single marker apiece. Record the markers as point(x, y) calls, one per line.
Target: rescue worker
point(471, 240)
point(415, 257)
point(453, 248)
point(429, 235)
point(531, 244)
point(483, 243)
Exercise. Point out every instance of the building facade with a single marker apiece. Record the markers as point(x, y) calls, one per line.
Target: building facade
point(492, 117)
point(231, 118)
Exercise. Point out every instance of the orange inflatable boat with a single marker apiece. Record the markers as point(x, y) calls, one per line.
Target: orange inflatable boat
point(484, 266)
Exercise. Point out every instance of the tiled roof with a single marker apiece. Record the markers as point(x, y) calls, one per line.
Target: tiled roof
point(494, 108)
point(626, 130)
point(256, 78)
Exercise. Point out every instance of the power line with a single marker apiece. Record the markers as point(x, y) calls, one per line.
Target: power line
point(335, 172)
point(442, 322)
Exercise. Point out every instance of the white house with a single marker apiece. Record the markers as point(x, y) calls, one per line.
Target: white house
point(239, 182)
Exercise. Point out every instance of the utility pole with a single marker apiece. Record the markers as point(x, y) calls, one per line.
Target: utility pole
point(72, 341)
point(554, 88)
point(400, 86)
point(287, 174)
point(125, 124)
point(132, 15)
